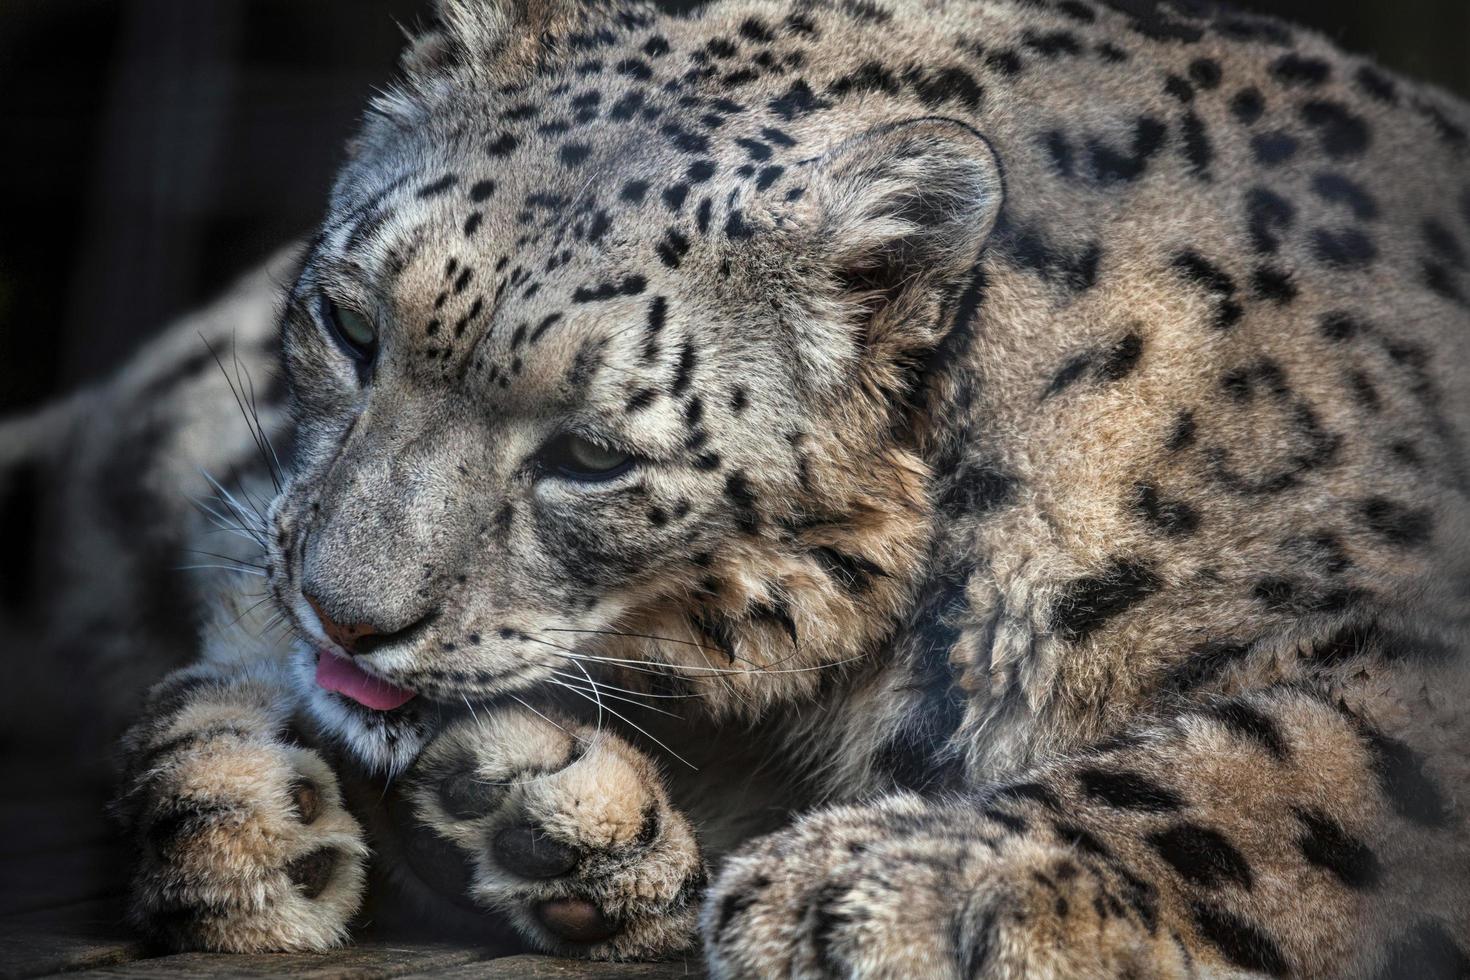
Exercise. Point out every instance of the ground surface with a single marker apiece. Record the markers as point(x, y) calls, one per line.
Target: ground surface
point(62, 908)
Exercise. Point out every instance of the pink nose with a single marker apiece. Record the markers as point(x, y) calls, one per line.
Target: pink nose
point(345, 635)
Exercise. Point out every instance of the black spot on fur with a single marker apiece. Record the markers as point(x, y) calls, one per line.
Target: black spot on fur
point(1183, 435)
point(1028, 247)
point(1245, 721)
point(1343, 248)
point(674, 195)
point(1088, 603)
point(1269, 217)
point(1108, 365)
point(1203, 665)
point(1274, 284)
point(1052, 44)
point(871, 76)
point(1112, 166)
point(1247, 106)
point(734, 904)
point(1401, 776)
point(853, 572)
point(1327, 845)
point(1335, 188)
point(798, 100)
point(1296, 69)
point(742, 498)
point(1205, 72)
point(1338, 326)
point(945, 86)
point(1274, 147)
point(1174, 518)
point(627, 107)
point(1062, 154)
point(437, 187)
point(1197, 148)
point(1128, 791)
point(1073, 369)
point(977, 487)
point(1028, 792)
point(1342, 133)
point(547, 322)
point(1197, 269)
point(503, 145)
point(1004, 61)
point(768, 176)
point(1293, 598)
point(1202, 856)
point(684, 371)
point(673, 248)
point(1376, 84)
point(629, 286)
point(1082, 839)
point(1240, 942)
point(1397, 524)
point(736, 227)
point(574, 154)
point(1156, 21)
point(1443, 242)
point(1449, 131)
point(1077, 10)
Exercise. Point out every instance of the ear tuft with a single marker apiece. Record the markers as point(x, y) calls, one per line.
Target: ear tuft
point(905, 205)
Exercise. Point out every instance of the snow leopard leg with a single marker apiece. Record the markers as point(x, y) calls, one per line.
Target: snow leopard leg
point(1276, 834)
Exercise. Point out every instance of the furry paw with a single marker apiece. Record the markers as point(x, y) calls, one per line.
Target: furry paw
point(911, 890)
point(568, 832)
point(243, 844)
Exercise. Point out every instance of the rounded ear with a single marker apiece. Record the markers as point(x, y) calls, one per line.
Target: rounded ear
point(904, 206)
point(497, 36)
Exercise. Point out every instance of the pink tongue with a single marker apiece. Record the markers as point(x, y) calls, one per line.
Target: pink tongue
point(334, 673)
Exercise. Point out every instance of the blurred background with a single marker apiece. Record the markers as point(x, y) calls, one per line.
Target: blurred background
point(156, 148)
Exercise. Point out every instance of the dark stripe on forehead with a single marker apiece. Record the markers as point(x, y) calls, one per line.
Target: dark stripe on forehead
point(368, 217)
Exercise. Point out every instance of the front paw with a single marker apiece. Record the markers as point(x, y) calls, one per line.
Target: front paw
point(568, 832)
point(243, 845)
point(906, 889)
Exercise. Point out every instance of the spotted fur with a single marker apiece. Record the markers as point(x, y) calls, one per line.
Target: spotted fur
point(1051, 426)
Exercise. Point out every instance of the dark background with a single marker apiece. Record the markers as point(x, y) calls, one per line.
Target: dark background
point(155, 148)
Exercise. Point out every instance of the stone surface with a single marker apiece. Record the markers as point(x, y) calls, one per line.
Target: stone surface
point(89, 940)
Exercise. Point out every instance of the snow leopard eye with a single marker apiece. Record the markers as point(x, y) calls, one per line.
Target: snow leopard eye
point(574, 458)
point(352, 331)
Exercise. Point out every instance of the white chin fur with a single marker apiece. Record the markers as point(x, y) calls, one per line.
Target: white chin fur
point(383, 742)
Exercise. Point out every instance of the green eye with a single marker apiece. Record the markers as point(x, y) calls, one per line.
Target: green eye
point(576, 458)
point(357, 330)
point(352, 331)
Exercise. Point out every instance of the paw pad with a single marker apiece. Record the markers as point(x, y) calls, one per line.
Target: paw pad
point(466, 796)
point(530, 853)
point(312, 872)
point(307, 800)
point(576, 920)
